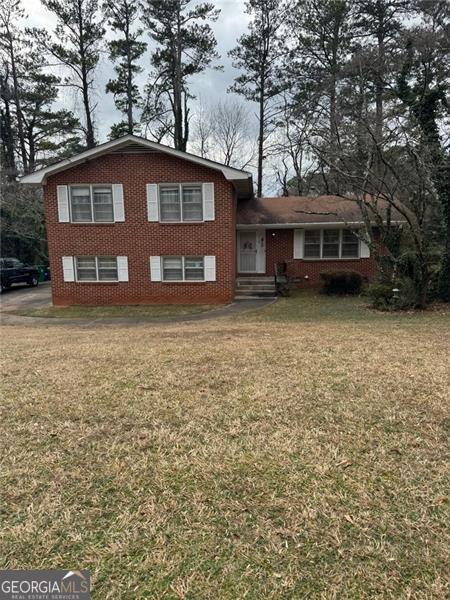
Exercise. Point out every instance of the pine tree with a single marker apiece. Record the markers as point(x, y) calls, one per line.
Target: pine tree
point(79, 34)
point(257, 54)
point(50, 134)
point(378, 23)
point(7, 133)
point(12, 46)
point(322, 35)
point(125, 54)
point(186, 46)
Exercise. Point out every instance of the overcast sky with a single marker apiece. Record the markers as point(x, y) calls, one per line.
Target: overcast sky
point(208, 87)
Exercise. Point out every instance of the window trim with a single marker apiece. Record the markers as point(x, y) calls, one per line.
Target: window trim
point(91, 195)
point(183, 272)
point(96, 280)
point(341, 235)
point(180, 195)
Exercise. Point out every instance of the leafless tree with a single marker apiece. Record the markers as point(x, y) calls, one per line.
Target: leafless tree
point(202, 131)
point(223, 132)
point(395, 194)
point(294, 162)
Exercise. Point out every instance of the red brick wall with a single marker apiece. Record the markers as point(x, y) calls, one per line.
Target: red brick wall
point(138, 238)
point(280, 248)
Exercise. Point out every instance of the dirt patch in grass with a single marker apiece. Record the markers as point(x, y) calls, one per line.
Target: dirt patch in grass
point(95, 312)
point(231, 459)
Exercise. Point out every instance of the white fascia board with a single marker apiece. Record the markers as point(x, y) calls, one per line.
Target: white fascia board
point(39, 177)
point(299, 225)
point(318, 225)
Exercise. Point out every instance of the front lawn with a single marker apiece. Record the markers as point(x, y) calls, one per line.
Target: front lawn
point(265, 456)
point(96, 312)
point(309, 306)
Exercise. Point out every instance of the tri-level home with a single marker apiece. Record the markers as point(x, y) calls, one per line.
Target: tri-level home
point(135, 222)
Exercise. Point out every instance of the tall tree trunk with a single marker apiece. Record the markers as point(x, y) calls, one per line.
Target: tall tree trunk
point(130, 120)
point(185, 135)
point(422, 286)
point(32, 150)
point(379, 89)
point(90, 138)
point(7, 137)
point(334, 188)
point(379, 84)
point(259, 183)
point(16, 94)
point(177, 90)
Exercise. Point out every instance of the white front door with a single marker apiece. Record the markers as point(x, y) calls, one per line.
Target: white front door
point(251, 251)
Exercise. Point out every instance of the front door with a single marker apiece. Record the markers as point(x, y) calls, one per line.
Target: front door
point(251, 252)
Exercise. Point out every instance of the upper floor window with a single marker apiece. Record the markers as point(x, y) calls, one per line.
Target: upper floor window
point(91, 204)
point(330, 243)
point(180, 202)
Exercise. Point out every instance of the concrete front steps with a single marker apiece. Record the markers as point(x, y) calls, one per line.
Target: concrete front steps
point(252, 287)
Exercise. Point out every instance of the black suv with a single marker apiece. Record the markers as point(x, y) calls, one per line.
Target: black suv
point(13, 271)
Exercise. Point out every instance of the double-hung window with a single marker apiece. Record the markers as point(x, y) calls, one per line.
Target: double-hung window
point(312, 243)
point(180, 202)
point(350, 244)
point(96, 268)
point(183, 268)
point(91, 204)
point(330, 243)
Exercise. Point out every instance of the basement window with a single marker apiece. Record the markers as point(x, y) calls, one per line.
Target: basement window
point(96, 268)
point(183, 268)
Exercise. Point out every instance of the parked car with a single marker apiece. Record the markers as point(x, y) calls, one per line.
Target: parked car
point(13, 271)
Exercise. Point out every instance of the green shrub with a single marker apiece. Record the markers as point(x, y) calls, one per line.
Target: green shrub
point(382, 296)
point(341, 282)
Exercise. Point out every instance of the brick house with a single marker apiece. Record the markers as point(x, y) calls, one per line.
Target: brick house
point(135, 222)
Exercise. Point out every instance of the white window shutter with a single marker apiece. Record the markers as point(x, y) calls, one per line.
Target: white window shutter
point(208, 202)
point(364, 250)
point(119, 210)
point(122, 268)
point(210, 268)
point(152, 202)
point(298, 243)
point(62, 192)
point(155, 268)
point(68, 270)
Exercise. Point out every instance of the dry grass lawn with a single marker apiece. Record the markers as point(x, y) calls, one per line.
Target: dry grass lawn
point(95, 312)
point(274, 455)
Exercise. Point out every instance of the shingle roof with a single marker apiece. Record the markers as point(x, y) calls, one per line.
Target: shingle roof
point(300, 209)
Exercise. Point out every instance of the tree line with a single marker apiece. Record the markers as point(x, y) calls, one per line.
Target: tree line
point(349, 98)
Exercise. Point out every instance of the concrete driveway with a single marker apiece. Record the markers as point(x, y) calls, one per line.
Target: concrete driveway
point(22, 296)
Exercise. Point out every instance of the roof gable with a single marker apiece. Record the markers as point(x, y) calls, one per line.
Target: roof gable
point(132, 143)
